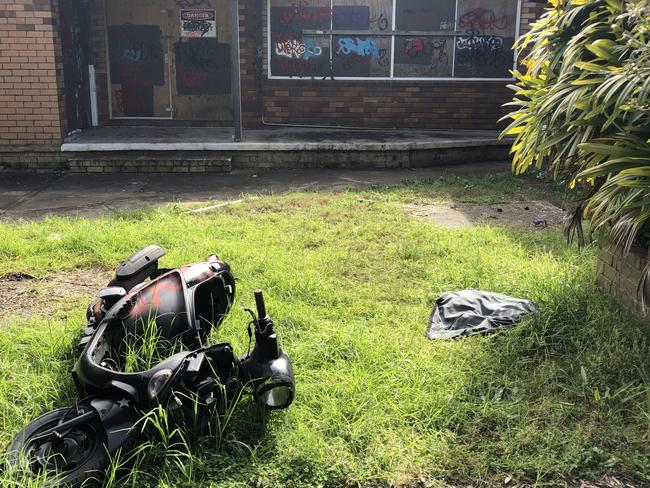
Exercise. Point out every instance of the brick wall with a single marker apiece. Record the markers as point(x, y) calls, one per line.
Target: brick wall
point(32, 107)
point(453, 104)
point(620, 275)
point(409, 104)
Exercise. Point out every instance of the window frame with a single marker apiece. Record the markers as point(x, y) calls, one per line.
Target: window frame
point(393, 35)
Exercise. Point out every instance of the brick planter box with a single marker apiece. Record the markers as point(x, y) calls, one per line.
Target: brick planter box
point(620, 274)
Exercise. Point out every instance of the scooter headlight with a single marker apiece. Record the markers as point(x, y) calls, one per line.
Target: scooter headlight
point(275, 393)
point(158, 382)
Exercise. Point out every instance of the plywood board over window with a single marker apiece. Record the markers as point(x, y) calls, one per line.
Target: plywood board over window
point(170, 59)
point(360, 55)
point(394, 39)
point(291, 52)
point(485, 49)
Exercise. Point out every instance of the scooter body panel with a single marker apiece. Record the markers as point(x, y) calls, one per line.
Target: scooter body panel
point(118, 418)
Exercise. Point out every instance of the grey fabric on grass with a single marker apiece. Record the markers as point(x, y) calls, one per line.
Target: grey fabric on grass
point(470, 312)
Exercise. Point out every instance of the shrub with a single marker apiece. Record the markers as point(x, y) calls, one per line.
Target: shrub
point(583, 111)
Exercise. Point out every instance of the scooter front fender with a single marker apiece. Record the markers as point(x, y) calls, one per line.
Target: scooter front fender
point(118, 419)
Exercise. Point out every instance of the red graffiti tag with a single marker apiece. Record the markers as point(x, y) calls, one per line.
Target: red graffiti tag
point(481, 18)
point(192, 77)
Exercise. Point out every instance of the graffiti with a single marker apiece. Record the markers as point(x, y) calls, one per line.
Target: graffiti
point(482, 19)
point(161, 295)
point(365, 47)
point(202, 26)
point(478, 43)
point(418, 46)
point(424, 50)
point(446, 25)
point(383, 58)
point(301, 12)
point(414, 47)
point(311, 49)
point(202, 67)
point(136, 51)
point(292, 48)
point(381, 22)
point(483, 55)
point(198, 55)
point(193, 3)
point(192, 77)
point(314, 62)
point(475, 60)
point(135, 97)
point(137, 64)
point(140, 52)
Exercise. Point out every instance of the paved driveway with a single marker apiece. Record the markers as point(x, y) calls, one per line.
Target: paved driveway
point(29, 195)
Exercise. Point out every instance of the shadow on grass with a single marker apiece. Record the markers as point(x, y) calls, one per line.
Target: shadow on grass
point(481, 189)
point(564, 395)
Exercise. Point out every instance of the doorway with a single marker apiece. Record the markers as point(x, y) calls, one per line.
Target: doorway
point(169, 59)
point(75, 44)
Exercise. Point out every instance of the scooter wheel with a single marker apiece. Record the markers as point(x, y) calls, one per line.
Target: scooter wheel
point(78, 456)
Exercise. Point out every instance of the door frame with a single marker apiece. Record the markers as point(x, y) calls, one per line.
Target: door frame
point(235, 70)
point(110, 84)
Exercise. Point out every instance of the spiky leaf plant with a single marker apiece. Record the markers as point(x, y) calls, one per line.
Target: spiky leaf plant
point(582, 111)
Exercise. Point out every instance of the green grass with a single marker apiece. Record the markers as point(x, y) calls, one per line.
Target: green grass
point(350, 285)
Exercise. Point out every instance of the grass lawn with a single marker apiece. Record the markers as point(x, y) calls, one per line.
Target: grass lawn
point(350, 284)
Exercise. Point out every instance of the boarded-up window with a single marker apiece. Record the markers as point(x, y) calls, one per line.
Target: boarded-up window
point(392, 38)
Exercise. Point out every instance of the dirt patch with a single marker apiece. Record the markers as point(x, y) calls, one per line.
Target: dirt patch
point(23, 295)
point(606, 481)
point(534, 214)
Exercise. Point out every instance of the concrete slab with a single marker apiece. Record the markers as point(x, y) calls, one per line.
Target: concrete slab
point(95, 194)
point(16, 188)
point(272, 139)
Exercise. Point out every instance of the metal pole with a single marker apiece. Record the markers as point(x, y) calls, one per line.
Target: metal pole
point(234, 59)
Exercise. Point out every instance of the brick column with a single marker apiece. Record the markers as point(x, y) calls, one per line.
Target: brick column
point(32, 104)
point(531, 10)
point(620, 274)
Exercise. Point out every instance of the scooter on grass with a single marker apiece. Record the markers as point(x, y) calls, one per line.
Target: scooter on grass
point(177, 308)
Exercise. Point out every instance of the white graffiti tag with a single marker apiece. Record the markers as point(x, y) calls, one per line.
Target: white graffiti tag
point(291, 48)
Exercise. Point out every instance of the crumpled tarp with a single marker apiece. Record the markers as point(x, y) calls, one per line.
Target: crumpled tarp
point(470, 312)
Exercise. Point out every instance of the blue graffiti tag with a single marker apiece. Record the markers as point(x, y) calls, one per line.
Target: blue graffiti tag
point(311, 49)
point(132, 55)
point(361, 47)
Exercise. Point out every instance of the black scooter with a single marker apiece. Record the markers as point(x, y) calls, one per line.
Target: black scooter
point(141, 308)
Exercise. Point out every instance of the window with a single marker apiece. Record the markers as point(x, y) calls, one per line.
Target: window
point(392, 39)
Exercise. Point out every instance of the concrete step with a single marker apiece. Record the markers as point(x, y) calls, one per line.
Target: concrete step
point(167, 163)
point(416, 153)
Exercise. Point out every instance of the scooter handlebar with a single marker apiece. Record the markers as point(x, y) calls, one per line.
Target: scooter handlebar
point(259, 303)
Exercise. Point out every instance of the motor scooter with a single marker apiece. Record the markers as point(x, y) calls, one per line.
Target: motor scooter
point(143, 307)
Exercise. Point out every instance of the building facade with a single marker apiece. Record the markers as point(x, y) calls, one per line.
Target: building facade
point(67, 65)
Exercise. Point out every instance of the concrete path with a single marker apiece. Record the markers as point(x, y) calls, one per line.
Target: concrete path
point(274, 139)
point(29, 195)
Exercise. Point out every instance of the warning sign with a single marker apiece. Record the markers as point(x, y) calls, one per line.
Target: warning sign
point(198, 23)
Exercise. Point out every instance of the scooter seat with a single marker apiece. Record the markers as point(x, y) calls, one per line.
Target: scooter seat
point(137, 268)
